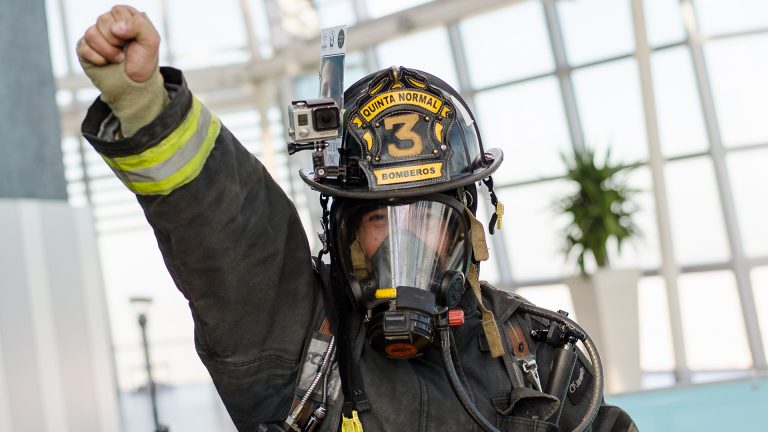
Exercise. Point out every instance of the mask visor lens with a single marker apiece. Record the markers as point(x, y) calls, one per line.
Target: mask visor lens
point(404, 244)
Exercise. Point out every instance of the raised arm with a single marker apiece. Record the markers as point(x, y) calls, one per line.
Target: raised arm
point(230, 238)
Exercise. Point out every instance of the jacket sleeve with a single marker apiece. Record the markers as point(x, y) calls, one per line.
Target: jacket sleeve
point(231, 240)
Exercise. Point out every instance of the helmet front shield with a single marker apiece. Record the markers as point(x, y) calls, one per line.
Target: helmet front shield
point(407, 133)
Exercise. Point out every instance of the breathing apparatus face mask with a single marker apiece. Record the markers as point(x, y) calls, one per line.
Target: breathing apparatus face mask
point(405, 262)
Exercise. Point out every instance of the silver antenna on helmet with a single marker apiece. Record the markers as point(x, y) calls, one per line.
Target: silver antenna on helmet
point(333, 48)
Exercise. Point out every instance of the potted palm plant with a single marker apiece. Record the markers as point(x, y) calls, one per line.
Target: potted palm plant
point(601, 211)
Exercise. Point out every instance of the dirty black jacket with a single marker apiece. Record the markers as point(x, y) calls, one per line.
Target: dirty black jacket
point(236, 249)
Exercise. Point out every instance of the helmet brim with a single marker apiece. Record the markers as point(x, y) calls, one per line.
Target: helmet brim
point(495, 155)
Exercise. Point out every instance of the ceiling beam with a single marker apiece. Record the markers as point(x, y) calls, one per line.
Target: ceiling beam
point(303, 55)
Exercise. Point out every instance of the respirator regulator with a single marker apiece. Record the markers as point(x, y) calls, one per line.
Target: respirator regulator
point(405, 262)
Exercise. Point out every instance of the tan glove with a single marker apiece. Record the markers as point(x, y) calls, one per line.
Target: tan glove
point(120, 56)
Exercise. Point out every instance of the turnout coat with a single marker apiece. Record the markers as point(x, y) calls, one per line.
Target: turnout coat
point(235, 247)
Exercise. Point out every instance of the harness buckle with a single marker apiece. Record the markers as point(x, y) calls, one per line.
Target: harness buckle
point(531, 369)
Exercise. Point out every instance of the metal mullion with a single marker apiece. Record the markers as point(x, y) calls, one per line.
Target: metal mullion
point(669, 269)
point(748, 147)
point(563, 73)
point(568, 69)
point(509, 83)
point(252, 38)
point(285, 96)
point(265, 96)
point(461, 67)
point(525, 283)
point(361, 10)
point(648, 272)
point(166, 30)
point(279, 37)
point(602, 61)
point(564, 70)
point(67, 42)
point(538, 180)
point(732, 35)
point(709, 267)
point(639, 164)
point(668, 46)
point(717, 151)
point(460, 62)
point(86, 176)
point(459, 56)
point(686, 156)
point(371, 60)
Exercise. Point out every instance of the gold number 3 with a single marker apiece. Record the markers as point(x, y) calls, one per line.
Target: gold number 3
point(404, 133)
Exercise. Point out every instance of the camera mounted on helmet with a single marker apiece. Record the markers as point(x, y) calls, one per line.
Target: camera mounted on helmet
point(406, 133)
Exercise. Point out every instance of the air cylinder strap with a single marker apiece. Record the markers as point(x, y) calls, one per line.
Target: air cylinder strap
point(480, 253)
point(349, 329)
point(489, 321)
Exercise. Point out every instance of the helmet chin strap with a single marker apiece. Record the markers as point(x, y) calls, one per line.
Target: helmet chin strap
point(480, 253)
point(498, 207)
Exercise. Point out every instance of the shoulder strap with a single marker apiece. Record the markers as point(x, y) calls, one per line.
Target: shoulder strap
point(480, 253)
point(489, 320)
point(348, 327)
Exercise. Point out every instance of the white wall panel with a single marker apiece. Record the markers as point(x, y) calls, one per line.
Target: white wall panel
point(56, 372)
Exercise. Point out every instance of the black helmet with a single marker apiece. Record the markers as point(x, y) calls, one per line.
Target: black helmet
point(407, 134)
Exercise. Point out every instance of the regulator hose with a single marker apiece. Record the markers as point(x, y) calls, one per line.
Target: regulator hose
point(458, 388)
point(474, 413)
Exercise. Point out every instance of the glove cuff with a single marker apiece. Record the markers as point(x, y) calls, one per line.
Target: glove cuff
point(135, 104)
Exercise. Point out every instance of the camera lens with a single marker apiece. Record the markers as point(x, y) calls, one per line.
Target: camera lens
point(326, 118)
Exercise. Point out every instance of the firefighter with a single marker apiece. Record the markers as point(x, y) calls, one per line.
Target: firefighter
point(396, 333)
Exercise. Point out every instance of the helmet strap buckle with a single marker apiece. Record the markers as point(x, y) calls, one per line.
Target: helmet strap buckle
point(498, 207)
point(324, 235)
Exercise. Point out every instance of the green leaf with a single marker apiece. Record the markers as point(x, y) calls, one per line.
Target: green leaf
point(600, 210)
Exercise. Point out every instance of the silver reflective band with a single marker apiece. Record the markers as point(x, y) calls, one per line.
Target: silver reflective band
point(173, 162)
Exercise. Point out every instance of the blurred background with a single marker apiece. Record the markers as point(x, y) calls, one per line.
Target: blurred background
point(678, 88)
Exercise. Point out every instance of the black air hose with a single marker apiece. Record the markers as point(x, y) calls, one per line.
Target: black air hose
point(594, 357)
point(458, 388)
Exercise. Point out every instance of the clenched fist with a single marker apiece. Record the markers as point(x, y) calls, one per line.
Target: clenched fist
point(120, 56)
point(122, 34)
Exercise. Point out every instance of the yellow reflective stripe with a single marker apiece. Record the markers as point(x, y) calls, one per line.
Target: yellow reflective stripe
point(163, 150)
point(177, 161)
point(187, 173)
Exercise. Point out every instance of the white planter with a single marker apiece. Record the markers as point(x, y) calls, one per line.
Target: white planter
point(606, 307)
